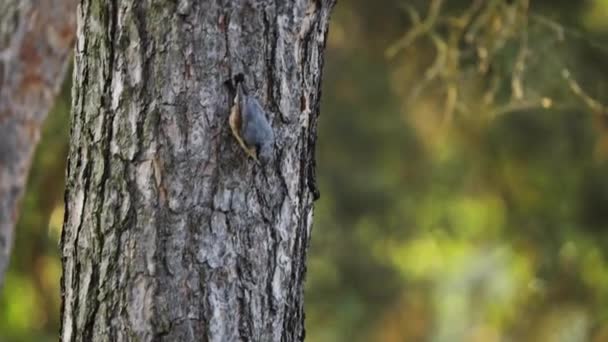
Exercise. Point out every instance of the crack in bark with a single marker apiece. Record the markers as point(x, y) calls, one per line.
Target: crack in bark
point(93, 305)
point(77, 259)
point(147, 51)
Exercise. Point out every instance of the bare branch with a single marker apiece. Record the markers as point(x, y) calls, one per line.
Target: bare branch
point(589, 101)
point(419, 29)
point(473, 53)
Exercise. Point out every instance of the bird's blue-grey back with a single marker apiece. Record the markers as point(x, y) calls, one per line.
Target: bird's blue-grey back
point(256, 128)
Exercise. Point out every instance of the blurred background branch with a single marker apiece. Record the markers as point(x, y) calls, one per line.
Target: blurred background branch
point(487, 31)
point(36, 41)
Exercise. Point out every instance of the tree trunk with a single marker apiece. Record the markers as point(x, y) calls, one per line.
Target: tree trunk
point(36, 40)
point(171, 233)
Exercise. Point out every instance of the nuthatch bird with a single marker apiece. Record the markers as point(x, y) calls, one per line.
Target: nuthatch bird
point(250, 126)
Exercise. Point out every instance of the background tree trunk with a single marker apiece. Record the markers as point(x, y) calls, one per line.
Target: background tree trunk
point(36, 38)
point(170, 232)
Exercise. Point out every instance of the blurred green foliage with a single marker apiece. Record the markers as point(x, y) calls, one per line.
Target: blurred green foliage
point(463, 175)
point(30, 298)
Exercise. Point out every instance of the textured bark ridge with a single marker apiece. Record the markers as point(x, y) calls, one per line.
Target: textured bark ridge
point(36, 40)
point(171, 233)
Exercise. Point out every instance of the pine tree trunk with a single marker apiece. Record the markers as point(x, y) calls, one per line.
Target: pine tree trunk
point(36, 40)
point(171, 233)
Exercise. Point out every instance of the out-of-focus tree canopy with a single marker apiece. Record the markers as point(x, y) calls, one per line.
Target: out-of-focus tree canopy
point(463, 167)
point(464, 173)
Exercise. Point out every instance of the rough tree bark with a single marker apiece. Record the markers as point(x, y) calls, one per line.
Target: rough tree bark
point(36, 40)
point(170, 232)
